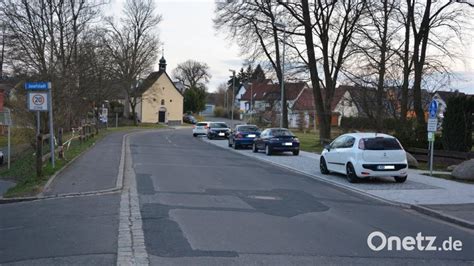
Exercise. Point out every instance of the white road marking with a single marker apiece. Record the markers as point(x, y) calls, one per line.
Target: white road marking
point(131, 239)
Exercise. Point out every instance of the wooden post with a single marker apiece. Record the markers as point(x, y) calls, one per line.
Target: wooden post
point(82, 133)
point(60, 143)
point(39, 155)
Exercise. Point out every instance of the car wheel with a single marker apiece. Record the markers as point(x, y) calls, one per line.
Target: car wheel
point(254, 148)
point(296, 152)
point(194, 135)
point(209, 136)
point(268, 150)
point(400, 179)
point(323, 166)
point(350, 173)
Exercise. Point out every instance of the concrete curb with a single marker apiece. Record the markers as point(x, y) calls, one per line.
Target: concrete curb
point(443, 216)
point(418, 208)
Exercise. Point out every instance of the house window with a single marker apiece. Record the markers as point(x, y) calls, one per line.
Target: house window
point(162, 102)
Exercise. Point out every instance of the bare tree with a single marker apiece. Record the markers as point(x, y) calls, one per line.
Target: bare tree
point(375, 46)
point(251, 24)
point(192, 74)
point(333, 24)
point(43, 39)
point(133, 46)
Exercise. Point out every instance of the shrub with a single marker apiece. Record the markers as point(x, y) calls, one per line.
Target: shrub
point(219, 111)
point(457, 124)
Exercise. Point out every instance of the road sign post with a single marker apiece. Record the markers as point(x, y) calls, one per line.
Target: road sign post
point(40, 100)
point(432, 127)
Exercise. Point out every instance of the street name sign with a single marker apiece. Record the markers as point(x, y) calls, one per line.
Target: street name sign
point(38, 101)
point(37, 86)
point(432, 124)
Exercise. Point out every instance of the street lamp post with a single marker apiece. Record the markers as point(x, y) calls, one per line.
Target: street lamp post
point(282, 26)
point(233, 95)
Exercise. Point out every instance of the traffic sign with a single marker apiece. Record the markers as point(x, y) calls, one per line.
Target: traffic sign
point(433, 109)
point(38, 101)
point(37, 85)
point(431, 136)
point(432, 125)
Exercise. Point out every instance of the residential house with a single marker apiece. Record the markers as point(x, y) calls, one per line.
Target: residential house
point(244, 105)
point(160, 101)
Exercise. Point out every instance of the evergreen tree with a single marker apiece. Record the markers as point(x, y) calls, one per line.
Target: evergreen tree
point(258, 75)
point(194, 100)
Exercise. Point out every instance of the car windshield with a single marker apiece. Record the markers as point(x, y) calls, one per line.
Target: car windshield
point(218, 125)
point(201, 124)
point(381, 144)
point(247, 128)
point(281, 133)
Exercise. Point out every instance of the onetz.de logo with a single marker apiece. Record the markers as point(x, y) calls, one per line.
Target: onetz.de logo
point(378, 241)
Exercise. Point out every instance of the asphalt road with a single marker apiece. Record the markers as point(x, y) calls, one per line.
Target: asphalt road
point(202, 204)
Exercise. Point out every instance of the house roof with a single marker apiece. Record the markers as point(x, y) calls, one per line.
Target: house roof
point(151, 79)
point(445, 95)
point(266, 92)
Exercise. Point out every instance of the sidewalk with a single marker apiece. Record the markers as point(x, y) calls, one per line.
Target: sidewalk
point(444, 198)
point(96, 169)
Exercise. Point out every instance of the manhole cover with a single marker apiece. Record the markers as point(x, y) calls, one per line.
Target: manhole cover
point(264, 197)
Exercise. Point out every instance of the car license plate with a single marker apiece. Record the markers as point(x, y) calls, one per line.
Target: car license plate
point(386, 167)
point(251, 135)
point(221, 134)
point(288, 144)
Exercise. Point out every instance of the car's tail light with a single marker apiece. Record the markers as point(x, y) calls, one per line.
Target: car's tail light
point(206, 127)
point(361, 144)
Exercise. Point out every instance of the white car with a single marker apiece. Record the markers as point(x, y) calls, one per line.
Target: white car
point(200, 128)
point(363, 155)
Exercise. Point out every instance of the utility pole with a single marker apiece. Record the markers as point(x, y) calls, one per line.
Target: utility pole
point(282, 26)
point(233, 95)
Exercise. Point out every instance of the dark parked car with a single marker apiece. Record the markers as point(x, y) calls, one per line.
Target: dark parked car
point(189, 119)
point(218, 130)
point(243, 135)
point(276, 140)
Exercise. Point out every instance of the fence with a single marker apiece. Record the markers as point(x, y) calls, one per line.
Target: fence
point(440, 156)
point(85, 133)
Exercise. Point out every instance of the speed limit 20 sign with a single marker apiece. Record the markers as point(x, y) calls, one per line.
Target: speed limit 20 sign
point(38, 101)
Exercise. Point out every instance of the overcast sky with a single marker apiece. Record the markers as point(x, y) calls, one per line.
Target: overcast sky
point(187, 33)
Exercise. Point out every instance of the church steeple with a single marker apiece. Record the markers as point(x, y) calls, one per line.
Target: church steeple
point(162, 65)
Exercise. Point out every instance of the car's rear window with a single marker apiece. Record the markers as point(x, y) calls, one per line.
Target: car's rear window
point(201, 124)
point(381, 144)
point(218, 125)
point(281, 133)
point(247, 128)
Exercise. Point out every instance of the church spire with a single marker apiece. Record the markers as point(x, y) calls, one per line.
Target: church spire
point(162, 65)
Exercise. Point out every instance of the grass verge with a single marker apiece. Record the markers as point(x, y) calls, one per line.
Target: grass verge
point(309, 141)
point(23, 169)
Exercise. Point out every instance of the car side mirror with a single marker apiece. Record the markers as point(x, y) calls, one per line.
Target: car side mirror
point(327, 147)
